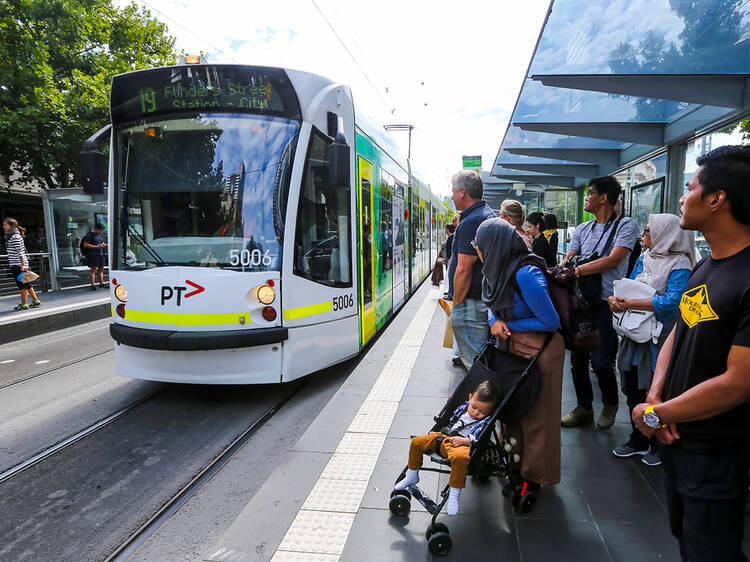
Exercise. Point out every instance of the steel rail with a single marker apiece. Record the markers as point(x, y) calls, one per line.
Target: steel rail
point(140, 536)
point(20, 467)
point(56, 368)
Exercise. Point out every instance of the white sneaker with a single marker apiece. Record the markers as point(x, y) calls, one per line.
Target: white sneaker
point(412, 477)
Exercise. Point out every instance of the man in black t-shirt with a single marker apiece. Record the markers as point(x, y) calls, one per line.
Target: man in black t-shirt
point(94, 247)
point(699, 401)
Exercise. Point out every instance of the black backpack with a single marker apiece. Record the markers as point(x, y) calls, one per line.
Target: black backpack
point(577, 324)
point(635, 253)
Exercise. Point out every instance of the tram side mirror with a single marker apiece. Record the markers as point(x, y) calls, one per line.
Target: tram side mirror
point(338, 162)
point(93, 171)
point(93, 163)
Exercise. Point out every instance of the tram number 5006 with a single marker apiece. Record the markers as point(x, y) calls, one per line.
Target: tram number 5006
point(248, 258)
point(342, 302)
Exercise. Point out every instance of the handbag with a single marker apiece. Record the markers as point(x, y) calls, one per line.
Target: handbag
point(640, 326)
point(27, 276)
point(591, 285)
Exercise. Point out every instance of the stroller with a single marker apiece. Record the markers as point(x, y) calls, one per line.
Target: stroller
point(518, 379)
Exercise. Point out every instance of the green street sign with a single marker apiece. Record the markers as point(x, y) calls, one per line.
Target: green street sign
point(472, 161)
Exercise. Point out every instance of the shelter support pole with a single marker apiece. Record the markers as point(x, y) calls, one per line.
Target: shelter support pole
point(675, 185)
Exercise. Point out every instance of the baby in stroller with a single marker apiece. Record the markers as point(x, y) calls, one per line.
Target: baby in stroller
point(454, 441)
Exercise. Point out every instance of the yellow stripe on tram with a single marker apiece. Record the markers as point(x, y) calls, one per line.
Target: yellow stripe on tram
point(186, 319)
point(309, 310)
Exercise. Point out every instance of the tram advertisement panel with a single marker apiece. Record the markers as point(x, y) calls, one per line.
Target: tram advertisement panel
point(398, 252)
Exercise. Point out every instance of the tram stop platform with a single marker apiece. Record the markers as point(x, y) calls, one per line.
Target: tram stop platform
point(59, 309)
point(328, 500)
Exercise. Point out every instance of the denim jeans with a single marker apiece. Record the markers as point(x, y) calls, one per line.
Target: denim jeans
point(470, 328)
point(602, 362)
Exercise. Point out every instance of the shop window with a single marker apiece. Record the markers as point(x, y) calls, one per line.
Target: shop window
point(322, 247)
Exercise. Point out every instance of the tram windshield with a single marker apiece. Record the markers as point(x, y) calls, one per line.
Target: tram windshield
point(206, 190)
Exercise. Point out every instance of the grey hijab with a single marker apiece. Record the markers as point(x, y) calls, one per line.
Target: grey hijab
point(503, 252)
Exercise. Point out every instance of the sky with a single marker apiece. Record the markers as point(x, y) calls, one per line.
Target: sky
point(451, 69)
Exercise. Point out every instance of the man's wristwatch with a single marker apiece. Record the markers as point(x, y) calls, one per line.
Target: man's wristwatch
point(651, 418)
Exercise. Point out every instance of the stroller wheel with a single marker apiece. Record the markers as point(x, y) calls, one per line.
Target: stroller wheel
point(516, 501)
point(400, 505)
point(528, 502)
point(436, 528)
point(404, 493)
point(439, 544)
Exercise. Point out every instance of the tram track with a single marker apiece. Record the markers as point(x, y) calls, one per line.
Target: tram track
point(56, 368)
point(75, 437)
point(184, 494)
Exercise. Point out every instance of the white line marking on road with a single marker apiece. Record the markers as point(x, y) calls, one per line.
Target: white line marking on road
point(42, 362)
point(7, 361)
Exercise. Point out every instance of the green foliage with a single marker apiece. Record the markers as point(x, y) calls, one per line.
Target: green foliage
point(57, 59)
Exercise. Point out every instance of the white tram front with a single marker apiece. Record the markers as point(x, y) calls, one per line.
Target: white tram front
point(217, 277)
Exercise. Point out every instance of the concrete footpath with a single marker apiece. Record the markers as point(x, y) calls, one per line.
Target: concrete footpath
point(328, 499)
point(60, 309)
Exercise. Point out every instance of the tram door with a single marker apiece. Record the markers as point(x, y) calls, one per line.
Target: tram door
point(399, 271)
point(365, 180)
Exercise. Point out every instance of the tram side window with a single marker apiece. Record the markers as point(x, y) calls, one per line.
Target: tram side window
point(322, 247)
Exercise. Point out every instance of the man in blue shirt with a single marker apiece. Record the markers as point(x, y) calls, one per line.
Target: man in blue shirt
point(612, 239)
point(469, 315)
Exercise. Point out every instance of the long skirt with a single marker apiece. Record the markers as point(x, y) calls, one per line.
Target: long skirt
point(539, 434)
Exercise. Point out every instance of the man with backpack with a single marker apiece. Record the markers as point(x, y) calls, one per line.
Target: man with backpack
point(93, 247)
point(600, 248)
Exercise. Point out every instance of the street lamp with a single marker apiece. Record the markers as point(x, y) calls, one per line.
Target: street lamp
point(403, 127)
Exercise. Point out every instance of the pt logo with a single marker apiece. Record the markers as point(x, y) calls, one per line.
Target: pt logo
point(695, 308)
point(168, 292)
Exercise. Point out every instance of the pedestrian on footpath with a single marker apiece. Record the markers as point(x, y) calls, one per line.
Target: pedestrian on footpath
point(469, 314)
point(521, 313)
point(512, 211)
point(665, 267)
point(539, 243)
point(603, 245)
point(94, 246)
point(19, 261)
point(698, 405)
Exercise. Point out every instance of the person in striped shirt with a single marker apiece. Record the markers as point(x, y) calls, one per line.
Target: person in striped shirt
point(19, 261)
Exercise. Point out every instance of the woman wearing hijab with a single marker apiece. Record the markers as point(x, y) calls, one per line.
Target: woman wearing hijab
point(19, 261)
point(521, 312)
point(665, 266)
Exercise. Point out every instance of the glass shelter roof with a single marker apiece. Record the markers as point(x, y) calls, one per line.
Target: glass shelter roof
point(614, 80)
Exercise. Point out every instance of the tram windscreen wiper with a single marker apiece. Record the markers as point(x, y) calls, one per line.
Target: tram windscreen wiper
point(146, 246)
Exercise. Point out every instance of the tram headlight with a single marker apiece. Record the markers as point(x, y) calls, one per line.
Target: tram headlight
point(121, 294)
point(266, 294)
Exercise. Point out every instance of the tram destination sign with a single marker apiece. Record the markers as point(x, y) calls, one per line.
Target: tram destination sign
point(204, 88)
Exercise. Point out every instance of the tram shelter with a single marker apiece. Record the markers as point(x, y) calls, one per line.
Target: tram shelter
point(637, 90)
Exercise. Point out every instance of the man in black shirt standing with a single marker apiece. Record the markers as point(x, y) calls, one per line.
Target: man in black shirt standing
point(94, 247)
point(699, 401)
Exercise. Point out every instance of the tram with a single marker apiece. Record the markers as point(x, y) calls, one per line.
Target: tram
point(259, 230)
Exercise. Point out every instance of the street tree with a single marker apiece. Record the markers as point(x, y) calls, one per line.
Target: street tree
point(57, 59)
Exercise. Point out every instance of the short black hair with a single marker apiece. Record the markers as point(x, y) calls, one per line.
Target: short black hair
point(607, 185)
point(488, 392)
point(537, 219)
point(451, 227)
point(550, 221)
point(99, 226)
point(727, 168)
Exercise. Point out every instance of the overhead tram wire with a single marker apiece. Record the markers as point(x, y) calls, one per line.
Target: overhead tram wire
point(356, 62)
point(178, 24)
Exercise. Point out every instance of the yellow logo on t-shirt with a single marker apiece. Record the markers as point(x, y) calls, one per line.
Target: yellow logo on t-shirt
point(695, 308)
